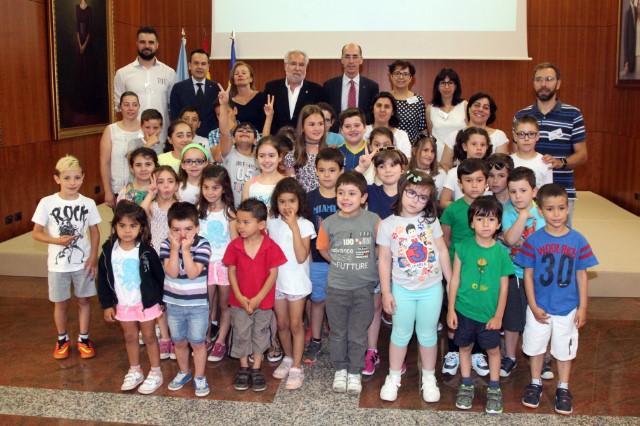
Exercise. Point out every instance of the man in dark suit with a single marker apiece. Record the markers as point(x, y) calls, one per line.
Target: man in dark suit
point(350, 90)
point(292, 93)
point(198, 92)
point(629, 37)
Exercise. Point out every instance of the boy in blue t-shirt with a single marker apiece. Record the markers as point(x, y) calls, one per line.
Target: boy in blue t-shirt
point(555, 261)
point(519, 220)
point(322, 204)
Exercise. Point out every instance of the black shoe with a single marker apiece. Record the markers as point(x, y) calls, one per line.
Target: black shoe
point(213, 333)
point(531, 396)
point(243, 379)
point(547, 374)
point(507, 366)
point(258, 381)
point(563, 401)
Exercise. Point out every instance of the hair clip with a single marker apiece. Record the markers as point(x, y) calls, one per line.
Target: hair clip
point(413, 177)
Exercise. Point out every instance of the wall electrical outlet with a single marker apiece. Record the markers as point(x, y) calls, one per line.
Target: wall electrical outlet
point(96, 189)
point(8, 220)
point(17, 217)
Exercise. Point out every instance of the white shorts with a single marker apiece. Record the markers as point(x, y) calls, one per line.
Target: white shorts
point(560, 329)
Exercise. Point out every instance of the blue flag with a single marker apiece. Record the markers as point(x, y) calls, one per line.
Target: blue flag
point(233, 52)
point(182, 70)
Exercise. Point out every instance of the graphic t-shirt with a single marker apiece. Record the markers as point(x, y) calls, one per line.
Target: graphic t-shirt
point(126, 274)
point(320, 208)
point(415, 258)
point(535, 222)
point(215, 229)
point(67, 217)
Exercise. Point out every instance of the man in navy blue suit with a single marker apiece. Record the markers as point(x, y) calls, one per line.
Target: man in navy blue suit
point(198, 92)
point(292, 93)
point(350, 90)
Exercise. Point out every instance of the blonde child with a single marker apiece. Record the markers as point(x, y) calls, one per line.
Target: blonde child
point(293, 233)
point(130, 285)
point(179, 135)
point(413, 255)
point(526, 133)
point(472, 142)
point(218, 226)
point(142, 162)
point(311, 138)
point(67, 216)
point(268, 158)
point(163, 192)
point(194, 159)
point(425, 159)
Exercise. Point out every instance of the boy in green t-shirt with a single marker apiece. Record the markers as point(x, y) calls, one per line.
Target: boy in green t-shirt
point(477, 298)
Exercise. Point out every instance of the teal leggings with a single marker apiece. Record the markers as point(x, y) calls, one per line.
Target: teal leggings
point(419, 307)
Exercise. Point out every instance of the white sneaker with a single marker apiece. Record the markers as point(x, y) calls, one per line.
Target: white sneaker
point(283, 369)
point(389, 391)
point(295, 379)
point(131, 380)
point(430, 390)
point(340, 381)
point(151, 384)
point(451, 363)
point(354, 384)
point(479, 364)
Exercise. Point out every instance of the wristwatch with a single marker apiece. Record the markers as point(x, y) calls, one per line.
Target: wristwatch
point(564, 163)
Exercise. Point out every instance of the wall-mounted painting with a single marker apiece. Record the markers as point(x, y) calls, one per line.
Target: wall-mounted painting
point(628, 66)
point(81, 65)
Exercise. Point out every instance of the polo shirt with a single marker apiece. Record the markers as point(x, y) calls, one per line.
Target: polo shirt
point(351, 158)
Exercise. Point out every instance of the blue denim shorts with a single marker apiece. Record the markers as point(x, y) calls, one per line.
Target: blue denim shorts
point(188, 322)
point(318, 272)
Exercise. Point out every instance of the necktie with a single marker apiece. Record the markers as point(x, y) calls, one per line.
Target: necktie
point(351, 100)
point(199, 95)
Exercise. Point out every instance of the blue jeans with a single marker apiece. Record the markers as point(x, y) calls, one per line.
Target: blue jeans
point(188, 322)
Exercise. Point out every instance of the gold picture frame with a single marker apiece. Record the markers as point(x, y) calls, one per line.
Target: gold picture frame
point(628, 44)
point(81, 65)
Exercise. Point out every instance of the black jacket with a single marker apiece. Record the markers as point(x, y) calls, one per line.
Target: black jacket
point(151, 277)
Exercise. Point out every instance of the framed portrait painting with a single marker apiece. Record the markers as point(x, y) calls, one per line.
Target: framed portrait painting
point(628, 64)
point(81, 66)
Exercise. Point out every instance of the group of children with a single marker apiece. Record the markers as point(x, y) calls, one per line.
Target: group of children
point(245, 241)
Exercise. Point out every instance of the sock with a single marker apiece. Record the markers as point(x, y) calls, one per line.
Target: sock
point(512, 359)
point(135, 368)
point(536, 382)
point(494, 384)
point(83, 337)
point(63, 337)
point(452, 346)
point(396, 373)
point(156, 371)
point(467, 381)
point(428, 372)
point(214, 322)
point(372, 349)
point(563, 385)
point(316, 340)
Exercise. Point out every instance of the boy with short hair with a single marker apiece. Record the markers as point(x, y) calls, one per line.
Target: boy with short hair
point(472, 178)
point(191, 116)
point(347, 240)
point(185, 255)
point(151, 125)
point(352, 126)
point(322, 204)
point(477, 297)
point(67, 215)
point(253, 259)
point(526, 133)
point(519, 220)
point(555, 261)
point(500, 165)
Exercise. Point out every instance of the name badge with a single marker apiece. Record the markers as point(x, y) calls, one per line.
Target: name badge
point(556, 134)
point(412, 100)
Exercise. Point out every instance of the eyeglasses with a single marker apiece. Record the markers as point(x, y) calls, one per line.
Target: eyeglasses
point(447, 83)
point(524, 135)
point(244, 130)
point(398, 74)
point(198, 162)
point(499, 166)
point(548, 79)
point(413, 194)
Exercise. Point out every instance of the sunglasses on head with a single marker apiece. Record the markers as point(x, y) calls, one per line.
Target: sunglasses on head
point(499, 166)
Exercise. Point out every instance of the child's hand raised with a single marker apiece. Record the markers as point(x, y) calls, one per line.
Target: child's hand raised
point(268, 107)
point(174, 239)
point(364, 162)
point(153, 186)
point(188, 241)
point(290, 218)
point(223, 95)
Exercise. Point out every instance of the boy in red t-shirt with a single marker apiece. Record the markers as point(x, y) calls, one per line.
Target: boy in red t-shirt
point(253, 259)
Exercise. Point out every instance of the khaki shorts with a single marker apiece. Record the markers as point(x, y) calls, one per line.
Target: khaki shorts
point(251, 333)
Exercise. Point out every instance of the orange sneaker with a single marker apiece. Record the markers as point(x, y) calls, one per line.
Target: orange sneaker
point(62, 350)
point(86, 349)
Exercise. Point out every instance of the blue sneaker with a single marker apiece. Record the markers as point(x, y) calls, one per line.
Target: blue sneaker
point(180, 380)
point(202, 387)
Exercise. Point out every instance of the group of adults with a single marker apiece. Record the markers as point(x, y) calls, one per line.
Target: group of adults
point(562, 132)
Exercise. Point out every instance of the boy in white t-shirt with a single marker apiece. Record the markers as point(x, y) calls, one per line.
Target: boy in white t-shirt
point(526, 133)
point(73, 257)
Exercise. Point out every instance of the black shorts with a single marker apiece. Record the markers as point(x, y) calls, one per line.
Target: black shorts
point(469, 331)
point(515, 312)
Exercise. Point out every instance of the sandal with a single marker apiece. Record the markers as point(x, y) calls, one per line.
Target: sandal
point(275, 353)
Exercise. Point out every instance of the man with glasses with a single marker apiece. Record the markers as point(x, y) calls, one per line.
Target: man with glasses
point(562, 133)
point(350, 90)
point(292, 93)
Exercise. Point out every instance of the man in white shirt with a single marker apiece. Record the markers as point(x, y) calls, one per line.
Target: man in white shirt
point(149, 78)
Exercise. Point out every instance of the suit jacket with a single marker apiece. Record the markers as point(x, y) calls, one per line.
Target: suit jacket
point(333, 94)
point(629, 37)
point(310, 93)
point(183, 95)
